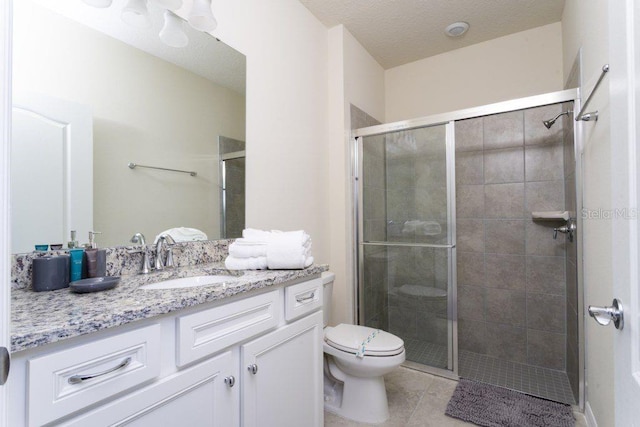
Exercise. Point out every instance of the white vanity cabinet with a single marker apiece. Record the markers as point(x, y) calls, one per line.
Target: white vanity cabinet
point(249, 362)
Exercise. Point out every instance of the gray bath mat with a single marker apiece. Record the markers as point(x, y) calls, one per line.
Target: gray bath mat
point(490, 406)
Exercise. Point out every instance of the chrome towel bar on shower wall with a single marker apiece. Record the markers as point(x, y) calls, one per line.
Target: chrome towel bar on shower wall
point(135, 165)
point(594, 114)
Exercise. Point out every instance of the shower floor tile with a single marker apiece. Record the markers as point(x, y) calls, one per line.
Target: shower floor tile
point(534, 380)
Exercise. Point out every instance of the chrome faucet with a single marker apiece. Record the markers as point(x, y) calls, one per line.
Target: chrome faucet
point(146, 265)
point(164, 241)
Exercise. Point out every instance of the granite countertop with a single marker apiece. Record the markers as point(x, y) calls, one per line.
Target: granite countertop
point(39, 318)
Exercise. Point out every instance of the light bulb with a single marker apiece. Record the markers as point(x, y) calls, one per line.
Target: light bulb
point(201, 18)
point(172, 33)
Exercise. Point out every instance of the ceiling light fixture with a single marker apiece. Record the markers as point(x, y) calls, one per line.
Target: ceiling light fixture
point(456, 29)
point(201, 17)
point(135, 13)
point(172, 33)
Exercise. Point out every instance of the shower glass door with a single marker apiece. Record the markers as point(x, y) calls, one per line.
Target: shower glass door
point(406, 239)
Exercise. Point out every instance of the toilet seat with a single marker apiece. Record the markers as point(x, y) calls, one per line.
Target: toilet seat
point(349, 338)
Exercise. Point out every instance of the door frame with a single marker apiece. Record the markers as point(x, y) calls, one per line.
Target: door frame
point(5, 238)
point(624, 37)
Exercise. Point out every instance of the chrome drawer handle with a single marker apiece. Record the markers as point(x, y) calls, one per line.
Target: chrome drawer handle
point(230, 381)
point(305, 299)
point(77, 379)
point(253, 368)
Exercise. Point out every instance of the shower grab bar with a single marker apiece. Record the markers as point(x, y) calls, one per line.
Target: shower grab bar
point(421, 245)
point(594, 114)
point(135, 165)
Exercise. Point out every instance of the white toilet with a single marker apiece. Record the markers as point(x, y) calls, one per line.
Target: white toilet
point(353, 382)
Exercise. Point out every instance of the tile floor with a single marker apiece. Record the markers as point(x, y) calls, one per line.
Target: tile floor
point(417, 399)
point(534, 380)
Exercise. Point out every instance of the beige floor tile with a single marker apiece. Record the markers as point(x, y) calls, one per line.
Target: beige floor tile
point(417, 399)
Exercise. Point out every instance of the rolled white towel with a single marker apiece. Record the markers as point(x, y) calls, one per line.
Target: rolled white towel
point(256, 263)
point(243, 248)
point(183, 234)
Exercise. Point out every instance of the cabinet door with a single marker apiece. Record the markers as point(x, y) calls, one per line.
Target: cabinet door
point(195, 397)
point(286, 388)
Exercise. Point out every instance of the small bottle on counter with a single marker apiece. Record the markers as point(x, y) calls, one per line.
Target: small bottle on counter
point(77, 256)
point(73, 243)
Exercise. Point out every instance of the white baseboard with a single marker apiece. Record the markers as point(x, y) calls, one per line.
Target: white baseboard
point(588, 414)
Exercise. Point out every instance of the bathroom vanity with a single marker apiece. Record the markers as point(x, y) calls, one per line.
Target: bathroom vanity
point(247, 352)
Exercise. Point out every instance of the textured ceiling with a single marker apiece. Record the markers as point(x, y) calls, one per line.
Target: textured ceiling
point(204, 55)
point(397, 32)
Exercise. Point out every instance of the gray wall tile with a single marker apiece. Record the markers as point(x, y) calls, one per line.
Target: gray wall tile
point(472, 336)
point(544, 196)
point(470, 201)
point(546, 349)
point(544, 162)
point(504, 130)
point(540, 239)
point(504, 200)
point(535, 131)
point(546, 275)
point(471, 302)
point(469, 135)
point(505, 271)
point(546, 312)
point(501, 166)
point(505, 236)
point(469, 167)
point(470, 268)
point(505, 306)
point(506, 342)
point(470, 235)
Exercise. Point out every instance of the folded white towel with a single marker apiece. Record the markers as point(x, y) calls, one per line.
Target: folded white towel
point(254, 235)
point(286, 251)
point(255, 263)
point(183, 234)
point(243, 248)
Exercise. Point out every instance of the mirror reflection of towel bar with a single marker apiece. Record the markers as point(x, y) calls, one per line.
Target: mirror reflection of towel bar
point(135, 165)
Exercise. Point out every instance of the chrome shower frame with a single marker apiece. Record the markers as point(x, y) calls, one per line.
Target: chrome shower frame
point(449, 119)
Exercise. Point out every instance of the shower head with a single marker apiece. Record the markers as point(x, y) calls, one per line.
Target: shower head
point(549, 123)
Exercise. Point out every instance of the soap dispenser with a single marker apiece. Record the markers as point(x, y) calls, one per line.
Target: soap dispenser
point(96, 259)
point(73, 243)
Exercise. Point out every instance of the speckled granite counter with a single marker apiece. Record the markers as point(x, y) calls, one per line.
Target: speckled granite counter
point(39, 318)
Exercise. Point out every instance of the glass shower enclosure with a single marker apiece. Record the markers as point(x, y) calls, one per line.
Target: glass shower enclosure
point(406, 238)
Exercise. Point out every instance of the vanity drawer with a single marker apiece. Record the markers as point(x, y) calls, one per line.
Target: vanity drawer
point(207, 332)
point(302, 298)
point(69, 380)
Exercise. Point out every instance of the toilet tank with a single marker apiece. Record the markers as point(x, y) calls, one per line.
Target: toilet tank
point(327, 291)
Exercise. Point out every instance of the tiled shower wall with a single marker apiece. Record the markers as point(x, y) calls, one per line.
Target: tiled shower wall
point(510, 271)
point(235, 187)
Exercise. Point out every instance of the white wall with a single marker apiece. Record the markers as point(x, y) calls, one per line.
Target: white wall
point(287, 114)
point(585, 25)
point(145, 110)
point(354, 78)
point(514, 66)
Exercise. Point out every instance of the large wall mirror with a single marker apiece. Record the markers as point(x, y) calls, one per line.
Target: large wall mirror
point(92, 95)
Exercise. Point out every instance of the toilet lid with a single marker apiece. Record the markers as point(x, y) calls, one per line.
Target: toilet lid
point(349, 338)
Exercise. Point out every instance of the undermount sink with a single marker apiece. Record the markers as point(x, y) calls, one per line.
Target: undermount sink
point(190, 282)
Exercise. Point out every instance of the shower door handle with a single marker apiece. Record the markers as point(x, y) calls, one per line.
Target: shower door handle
point(604, 315)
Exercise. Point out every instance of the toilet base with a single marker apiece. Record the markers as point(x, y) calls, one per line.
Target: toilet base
point(358, 399)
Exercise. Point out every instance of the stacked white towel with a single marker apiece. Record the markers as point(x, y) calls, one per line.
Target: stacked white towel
point(277, 250)
point(183, 234)
point(289, 250)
